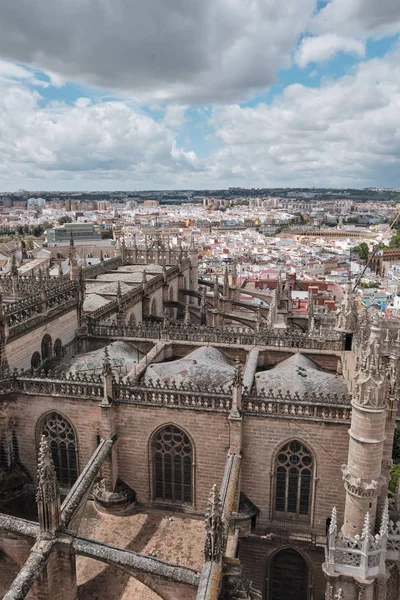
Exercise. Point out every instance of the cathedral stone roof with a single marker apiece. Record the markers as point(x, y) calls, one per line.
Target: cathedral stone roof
point(122, 357)
point(299, 374)
point(94, 301)
point(107, 288)
point(204, 366)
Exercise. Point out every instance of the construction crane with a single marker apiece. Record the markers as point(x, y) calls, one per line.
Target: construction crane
point(374, 251)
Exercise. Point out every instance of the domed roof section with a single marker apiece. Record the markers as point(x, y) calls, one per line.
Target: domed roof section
point(299, 374)
point(122, 358)
point(205, 366)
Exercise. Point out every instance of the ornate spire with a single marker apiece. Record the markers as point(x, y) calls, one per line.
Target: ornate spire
point(310, 307)
point(101, 256)
point(144, 278)
point(47, 495)
point(371, 384)
point(14, 266)
point(259, 322)
point(108, 391)
point(226, 282)
point(73, 262)
point(346, 315)
point(119, 294)
point(383, 530)
point(339, 595)
point(333, 523)
point(166, 319)
point(366, 530)
point(203, 307)
point(215, 528)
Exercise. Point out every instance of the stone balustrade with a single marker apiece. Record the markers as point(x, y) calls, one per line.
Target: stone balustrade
point(363, 556)
point(240, 336)
point(205, 397)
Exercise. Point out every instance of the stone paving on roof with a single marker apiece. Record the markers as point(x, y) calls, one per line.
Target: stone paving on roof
point(107, 288)
point(122, 358)
point(176, 538)
point(204, 366)
point(299, 374)
point(94, 301)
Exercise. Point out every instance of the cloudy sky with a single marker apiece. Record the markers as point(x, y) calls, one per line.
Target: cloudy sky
point(152, 94)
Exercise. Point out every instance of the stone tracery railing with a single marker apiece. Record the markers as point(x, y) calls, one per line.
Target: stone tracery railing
point(271, 403)
point(240, 336)
point(364, 555)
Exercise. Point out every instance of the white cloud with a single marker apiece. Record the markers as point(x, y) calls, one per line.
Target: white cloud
point(324, 47)
point(175, 115)
point(358, 18)
point(159, 50)
point(345, 133)
point(86, 141)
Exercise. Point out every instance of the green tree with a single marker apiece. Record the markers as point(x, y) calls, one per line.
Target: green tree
point(396, 446)
point(65, 219)
point(362, 250)
point(394, 478)
point(395, 241)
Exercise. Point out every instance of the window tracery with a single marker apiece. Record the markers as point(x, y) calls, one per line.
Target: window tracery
point(61, 436)
point(293, 484)
point(172, 465)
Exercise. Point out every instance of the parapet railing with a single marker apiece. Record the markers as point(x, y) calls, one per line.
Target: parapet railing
point(318, 407)
point(364, 555)
point(206, 397)
point(332, 341)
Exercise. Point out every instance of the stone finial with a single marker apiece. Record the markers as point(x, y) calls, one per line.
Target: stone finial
point(383, 530)
point(259, 320)
point(366, 530)
point(48, 494)
point(14, 266)
point(144, 278)
point(186, 321)
point(226, 282)
point(107, 369)
point(119, 294)
point(192, 247)
point(310, 306)
point(339, 595)
point(215, 528)
point(166, 319)
point(60, 271)
point(238, 377)
point(346, 315)
point(101, 256)
point(164, 271)
point(333, 523)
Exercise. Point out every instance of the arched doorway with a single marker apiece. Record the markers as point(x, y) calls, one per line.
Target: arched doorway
point(46, 346)
point(287, 577)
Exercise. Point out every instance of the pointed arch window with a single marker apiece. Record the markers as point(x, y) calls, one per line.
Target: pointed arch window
point(172, 465)
point(293, 481)
point(62, 439)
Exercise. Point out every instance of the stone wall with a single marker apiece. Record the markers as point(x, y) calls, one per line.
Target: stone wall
point(20, 350)
point(329, 445)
